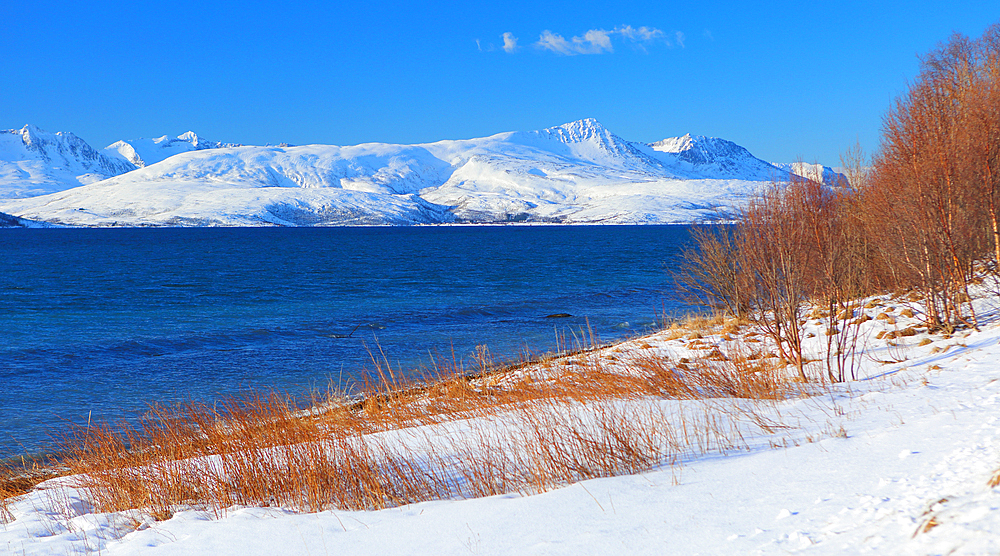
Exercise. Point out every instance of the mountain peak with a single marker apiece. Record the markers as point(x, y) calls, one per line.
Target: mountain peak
point(143, 152)
point(578, 131)
point(44, 162)
point(198, 142)
point(714, 156)
point(687, 142)
point(699, 149)
point(29, 133)
point(188, 137)
point(590, 140)
point(35, 138)
point(47, 145)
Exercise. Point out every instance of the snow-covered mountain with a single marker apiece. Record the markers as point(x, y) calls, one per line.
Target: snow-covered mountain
point(579, 172)
point(143, 152)
point(711, 157)
point(34, 162)
point(815, 172)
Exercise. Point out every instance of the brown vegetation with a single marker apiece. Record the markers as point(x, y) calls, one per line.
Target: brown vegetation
point(523, 430)
point(937, 172)
point(917, 217)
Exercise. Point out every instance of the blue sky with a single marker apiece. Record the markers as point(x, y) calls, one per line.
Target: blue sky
point(784, 79)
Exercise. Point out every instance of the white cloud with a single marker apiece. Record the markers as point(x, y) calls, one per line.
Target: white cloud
point(556, 43)
point(594, 41)
point(680, 39)
point(598, 41)
point(509, 42)
point(639, 34)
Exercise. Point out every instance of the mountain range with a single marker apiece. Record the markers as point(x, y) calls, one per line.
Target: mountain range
point(143, 152)
point(578, 172)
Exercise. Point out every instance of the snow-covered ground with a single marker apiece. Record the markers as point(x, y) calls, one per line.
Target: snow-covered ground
point(897, 462)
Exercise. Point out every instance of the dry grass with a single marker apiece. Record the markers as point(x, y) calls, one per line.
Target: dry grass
point(675, 331)
point(530, 447)
point(17, 479)
point(527, 429)
point(9, 488)
point(994, 479)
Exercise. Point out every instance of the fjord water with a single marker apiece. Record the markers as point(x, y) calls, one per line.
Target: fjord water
point(98, 323)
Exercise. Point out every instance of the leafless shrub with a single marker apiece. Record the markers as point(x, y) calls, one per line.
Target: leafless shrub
point(938, 173)
point(791, 244)
point(915, 218)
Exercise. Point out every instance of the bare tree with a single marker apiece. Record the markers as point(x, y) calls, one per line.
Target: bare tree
point(711, 273)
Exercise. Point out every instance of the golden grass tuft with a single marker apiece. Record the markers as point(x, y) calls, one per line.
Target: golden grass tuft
point(818, 312)
point(893, 334)
point(698, 326)
point(732, 326)
point(889, 319)
point(674, 332)
point(926, 526)
point(324, 463)
point(740, 373)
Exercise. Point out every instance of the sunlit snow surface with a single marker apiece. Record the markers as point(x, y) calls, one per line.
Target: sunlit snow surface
point(920, 439)
point(575, 173)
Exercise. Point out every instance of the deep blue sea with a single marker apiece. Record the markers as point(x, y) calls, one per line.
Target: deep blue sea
point(98, 323)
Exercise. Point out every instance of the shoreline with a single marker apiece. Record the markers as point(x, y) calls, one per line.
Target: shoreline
point(417, 384)
point(856, 427)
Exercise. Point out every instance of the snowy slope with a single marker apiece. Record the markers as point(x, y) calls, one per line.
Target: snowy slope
point(143, 152)
point(34, 162)
point(579, 172)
